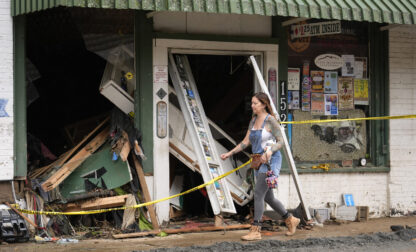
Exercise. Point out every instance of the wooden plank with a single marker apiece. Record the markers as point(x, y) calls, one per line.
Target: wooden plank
point(183, 230)
point(100, 203)
point(146, 193)
point(186, 157)
point(125, 150)
point(22, 215)
point(75, 161)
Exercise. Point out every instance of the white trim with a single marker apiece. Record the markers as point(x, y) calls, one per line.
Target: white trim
point(161, 47)
point(214, 45)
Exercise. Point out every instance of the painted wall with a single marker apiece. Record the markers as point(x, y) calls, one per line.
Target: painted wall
point(402, 60)
point(6, 92)
point(209, 23)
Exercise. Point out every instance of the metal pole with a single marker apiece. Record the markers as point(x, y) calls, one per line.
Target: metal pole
point(287, 151)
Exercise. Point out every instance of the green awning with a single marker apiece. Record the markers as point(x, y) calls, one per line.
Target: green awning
point(381, 11)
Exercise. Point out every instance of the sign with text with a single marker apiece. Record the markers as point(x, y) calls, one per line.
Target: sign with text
point(315, 29)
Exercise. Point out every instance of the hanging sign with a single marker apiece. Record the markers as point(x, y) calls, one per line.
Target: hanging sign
point(273, 84)
point(315, 29)
point(328, 61)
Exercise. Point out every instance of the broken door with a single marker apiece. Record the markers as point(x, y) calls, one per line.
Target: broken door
point(200, 133)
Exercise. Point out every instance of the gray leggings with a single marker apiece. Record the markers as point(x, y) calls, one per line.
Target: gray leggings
point(262, 193)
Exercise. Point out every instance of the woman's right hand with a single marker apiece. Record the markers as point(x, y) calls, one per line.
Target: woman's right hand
point(224, 156)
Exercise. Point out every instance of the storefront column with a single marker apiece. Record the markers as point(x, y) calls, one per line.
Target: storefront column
point(143, 97)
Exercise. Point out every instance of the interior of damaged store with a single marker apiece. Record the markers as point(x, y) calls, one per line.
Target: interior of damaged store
point(84, 151)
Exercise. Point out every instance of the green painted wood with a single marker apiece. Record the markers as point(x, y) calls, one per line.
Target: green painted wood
point(143, 96)
point(324, 9)
point(19, 94)
point(270, 8)
point(379, 130)
point(117, 173)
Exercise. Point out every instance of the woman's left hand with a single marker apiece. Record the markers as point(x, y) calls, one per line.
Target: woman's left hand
point(266, 156)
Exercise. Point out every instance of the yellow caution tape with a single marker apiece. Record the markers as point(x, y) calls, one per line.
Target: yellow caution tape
point(135, 206)
point(352, 119)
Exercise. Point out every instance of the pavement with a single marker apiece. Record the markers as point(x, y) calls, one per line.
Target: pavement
point(357, 232)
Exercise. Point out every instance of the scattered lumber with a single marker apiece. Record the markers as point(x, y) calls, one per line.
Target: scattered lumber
point(182, 230)
point(146, 193)
point(98, 203)
point(75, 161)
point(125, 150)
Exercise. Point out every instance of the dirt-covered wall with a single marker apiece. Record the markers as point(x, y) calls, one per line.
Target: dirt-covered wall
point(402, 61)
point(6, 92)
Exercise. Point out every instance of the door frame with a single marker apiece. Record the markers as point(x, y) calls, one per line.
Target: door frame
point(161, 48)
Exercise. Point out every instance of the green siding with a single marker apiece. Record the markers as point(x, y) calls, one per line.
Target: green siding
point(20, 149)
point(380, 11)
point(143, 96)
point(379, 77)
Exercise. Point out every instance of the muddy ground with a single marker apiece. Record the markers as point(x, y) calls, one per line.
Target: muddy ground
point(372, 235)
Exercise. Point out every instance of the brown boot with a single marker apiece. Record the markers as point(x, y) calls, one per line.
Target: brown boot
point(291, 224)
point(254, 234)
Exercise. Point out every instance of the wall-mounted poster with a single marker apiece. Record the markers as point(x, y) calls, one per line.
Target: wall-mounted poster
point(348, 65)
point(361, 91)
point(331, 104)
point(293, 79)
point(317, 78)
point(293, 99)
point(317, 103)
point(331, 82)
point(305, 69)
point(360, 70)
point(346, 93)
point(306, 93)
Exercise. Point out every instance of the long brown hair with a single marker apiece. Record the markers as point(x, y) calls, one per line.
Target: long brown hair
point(264, 99)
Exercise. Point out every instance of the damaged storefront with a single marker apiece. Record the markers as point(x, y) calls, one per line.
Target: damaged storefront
point(125, 106)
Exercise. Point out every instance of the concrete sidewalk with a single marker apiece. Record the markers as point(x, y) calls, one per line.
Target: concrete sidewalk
point(209, 238)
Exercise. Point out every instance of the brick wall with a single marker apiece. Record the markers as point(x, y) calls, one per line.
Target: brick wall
point(402, 60)
point(6, 91)
point(368, 190)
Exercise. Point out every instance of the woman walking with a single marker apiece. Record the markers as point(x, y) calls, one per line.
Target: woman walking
point(264, 136)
